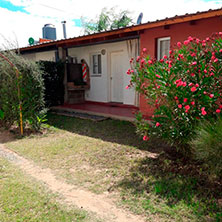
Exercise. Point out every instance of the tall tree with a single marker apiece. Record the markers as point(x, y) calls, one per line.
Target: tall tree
point(108, 19)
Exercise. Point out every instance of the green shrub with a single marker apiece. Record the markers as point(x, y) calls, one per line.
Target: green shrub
point(185, 88)
point(31, 84)
point(53, 81)
point(207, 144)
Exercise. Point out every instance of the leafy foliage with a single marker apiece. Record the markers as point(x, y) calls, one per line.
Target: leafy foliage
point(53, 74)
point(32, 92)
point(107, 20)
point(185, 88)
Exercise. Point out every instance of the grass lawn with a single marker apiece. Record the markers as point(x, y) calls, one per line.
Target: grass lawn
point(109, 157)
point(22, 199)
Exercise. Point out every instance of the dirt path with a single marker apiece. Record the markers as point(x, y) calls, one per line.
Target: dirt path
point(99, 204)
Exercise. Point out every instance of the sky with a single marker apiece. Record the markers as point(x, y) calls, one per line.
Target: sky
point(22, 19)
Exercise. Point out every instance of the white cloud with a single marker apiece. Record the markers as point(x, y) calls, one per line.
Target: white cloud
point(55, 11)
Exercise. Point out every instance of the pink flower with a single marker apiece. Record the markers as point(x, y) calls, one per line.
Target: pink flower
point(186, 42)
point(184, 84)
point(190, 84)
point(157, 124)
point(176, 98)
point(180, 106)
point(192, 103)
point(197, 85)
point(179, 44)
point(128, 72)
point(170, 52)
point(181, 56)
point(216, 60)
point(165, 56)
point(187, 107)
point(203, 112)
point(205, 71)
point(146, 138)
point(138, 58)
point(211, 95)
point(142, 61)
point(220, 50)
point(218, 111)
point(190, 38)
point(132, 71)
point(205, 93)
point(158, 76)
point(193, 89)
point(193, 54)
point(150, 62)
point(197, 41)
point(211, 74)
point(185, 100)
point(194, 63)
point(144, 49)
point(192, 74)
point(161, 60)
point(220, 106)
point(127, 87)
point(213, 57)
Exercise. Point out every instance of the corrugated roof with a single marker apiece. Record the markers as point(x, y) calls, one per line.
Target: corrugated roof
point(167, 21)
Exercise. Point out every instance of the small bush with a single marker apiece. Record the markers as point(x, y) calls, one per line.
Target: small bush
point(207, 145)
point(185, 88)
point(31, 84)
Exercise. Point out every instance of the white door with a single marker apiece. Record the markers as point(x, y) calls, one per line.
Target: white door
point(116, 77)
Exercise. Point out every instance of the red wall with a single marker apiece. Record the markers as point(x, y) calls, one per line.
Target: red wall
point(177, 32)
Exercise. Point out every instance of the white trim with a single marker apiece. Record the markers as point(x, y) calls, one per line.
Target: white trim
point(158, 46)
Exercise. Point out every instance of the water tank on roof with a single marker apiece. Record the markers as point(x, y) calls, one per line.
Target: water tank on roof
point(49, 32)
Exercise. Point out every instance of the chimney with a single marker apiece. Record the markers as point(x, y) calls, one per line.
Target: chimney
point(64, 28)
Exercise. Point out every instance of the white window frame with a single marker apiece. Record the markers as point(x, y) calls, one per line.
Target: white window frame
point(159, 40)
point(97, 73)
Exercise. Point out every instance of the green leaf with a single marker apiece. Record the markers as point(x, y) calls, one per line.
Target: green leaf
point(1, 114)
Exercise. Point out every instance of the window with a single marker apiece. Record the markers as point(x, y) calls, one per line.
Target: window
point(163, 47)
point(96, 64)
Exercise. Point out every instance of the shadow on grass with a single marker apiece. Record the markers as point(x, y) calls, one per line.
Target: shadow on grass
point(175, 181)
point(6, 136)
point(115, 131)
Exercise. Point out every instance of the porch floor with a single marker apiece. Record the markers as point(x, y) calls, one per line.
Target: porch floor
point(111, 110)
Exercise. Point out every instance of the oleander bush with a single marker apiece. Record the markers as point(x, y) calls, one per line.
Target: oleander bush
point(30, 82)
point(185, 88)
